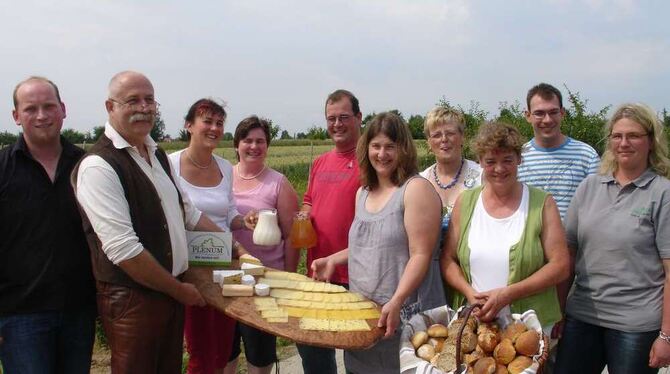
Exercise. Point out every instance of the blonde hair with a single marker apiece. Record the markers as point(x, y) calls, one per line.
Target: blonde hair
point(647, 118)
point(440, 115)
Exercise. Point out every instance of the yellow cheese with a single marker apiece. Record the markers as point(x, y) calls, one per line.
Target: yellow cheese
point(285, 275)
point(227, 276)
point(237, 290)
point(318, 324)
point(252, 269)
point(274, 313)
point(249, 259)
point(277, 319)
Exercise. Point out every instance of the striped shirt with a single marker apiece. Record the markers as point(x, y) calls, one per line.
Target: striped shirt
point(558, 170)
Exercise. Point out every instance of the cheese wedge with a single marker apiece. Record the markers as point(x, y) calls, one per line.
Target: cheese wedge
point(227, 276)
point(252, 269)
point(249, 259)
point(237, 290)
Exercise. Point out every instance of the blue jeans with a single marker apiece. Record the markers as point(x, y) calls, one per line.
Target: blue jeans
point(317, 360)
point(48, 342)
point(586, 348)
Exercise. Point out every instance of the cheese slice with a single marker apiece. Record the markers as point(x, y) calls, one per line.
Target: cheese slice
point(285, 275)
point(318, 324)
point(252, 269)
point(227, 276)
point(249, 259)
point(277, 319)
point(237, 290)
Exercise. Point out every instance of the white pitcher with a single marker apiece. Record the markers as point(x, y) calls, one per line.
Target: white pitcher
point(267, 231)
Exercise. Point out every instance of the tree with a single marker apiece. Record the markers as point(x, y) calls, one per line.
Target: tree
point(74, 136)
point(228, 136)
point(367, 119)
point(95, 134)
point(415, 124)
point(158, 131)
point(274, 129)
point(301, 135)
point(7, 137)
point(183, 135)
point(317, 133)
point(285, 135)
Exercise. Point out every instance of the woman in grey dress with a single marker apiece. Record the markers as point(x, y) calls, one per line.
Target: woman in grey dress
point(392, 254)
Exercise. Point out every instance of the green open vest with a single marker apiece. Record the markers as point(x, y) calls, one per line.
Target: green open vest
point(525, 257)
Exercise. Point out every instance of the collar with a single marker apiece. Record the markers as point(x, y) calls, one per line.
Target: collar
point(67, 148)
point(120, 143)
point(643, 180)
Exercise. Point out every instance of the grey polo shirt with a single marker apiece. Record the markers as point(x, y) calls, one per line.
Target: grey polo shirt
point(620, 236)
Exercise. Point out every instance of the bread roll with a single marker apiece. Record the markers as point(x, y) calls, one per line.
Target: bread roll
point(438, 331)
point(444, 361)
point(419, 338)
point(468, 341)
point(486, 365)
point(519, 364)
point(471, 358)
point(528, 343)
point(513, 330)
point(501, 369)
point(426, 352)
point(504, 352)
point(488, 341)
point(488, 326)
point(437, 343)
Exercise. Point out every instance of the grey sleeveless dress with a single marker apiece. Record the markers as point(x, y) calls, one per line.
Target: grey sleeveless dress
point(378, 254)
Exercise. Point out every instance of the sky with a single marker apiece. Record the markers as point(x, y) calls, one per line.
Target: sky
point(280, 59)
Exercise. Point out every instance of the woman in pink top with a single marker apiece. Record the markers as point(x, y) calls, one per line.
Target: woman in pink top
point(257, 187)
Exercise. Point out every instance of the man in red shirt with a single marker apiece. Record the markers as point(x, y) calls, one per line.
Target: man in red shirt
point(330, 201)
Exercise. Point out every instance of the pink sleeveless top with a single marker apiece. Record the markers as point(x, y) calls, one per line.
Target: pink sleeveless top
point(263, 196)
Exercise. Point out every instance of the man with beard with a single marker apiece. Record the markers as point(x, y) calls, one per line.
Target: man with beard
point(135, 216)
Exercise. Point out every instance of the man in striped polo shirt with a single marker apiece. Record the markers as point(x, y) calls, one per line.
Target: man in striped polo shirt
point(552, 161)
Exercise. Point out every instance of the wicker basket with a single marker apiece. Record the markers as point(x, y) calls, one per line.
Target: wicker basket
point(461, 368)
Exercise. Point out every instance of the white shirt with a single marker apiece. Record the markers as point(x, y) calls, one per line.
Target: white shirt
point(490, 240)
point(217, 202)
point(100, 193)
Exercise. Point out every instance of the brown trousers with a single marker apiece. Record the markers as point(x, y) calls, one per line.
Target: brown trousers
point(144, 329)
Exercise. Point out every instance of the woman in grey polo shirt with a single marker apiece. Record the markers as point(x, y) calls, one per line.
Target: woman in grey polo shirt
point(618, 230)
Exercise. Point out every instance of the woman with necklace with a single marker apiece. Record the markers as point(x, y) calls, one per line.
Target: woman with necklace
point(257, 187)
point(451, 173)
point(207, 180)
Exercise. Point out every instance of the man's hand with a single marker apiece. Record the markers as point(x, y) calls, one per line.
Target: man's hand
point(189, 295)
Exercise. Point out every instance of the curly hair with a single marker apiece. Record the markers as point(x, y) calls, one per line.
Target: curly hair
point(440, 115)
point(647, 118)
point(497, 135)
point(396, 129)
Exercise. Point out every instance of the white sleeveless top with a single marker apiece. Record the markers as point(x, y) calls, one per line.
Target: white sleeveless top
point(217, 202)
point(490, 240)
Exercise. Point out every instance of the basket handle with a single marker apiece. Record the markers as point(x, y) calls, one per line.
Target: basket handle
point(468, 310)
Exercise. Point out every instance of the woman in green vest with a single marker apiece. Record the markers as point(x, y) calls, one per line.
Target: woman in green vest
point(505, 246)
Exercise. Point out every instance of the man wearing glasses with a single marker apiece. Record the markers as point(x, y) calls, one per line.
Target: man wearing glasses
point(330, 201)
point(552, 161)
point(555, 163)
point(135, 216)
point(47, 292)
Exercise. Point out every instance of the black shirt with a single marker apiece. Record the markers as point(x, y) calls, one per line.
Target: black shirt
point(44, 258)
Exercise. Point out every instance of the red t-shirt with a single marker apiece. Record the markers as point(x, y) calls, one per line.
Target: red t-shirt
point(331, 191)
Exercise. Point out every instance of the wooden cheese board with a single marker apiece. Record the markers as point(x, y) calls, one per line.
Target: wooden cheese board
point(243, 309)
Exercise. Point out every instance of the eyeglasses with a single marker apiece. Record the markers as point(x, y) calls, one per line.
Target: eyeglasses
point(343, 118)
point(631, 136)
point(540, 114)
point(438, 135)
point(137, 104)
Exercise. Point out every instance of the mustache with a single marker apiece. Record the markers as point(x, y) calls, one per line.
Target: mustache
point(141, 117)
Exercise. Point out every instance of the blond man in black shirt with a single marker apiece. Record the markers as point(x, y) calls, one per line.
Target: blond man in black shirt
point(47, 294)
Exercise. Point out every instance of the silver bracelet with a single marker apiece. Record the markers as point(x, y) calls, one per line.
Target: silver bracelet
point(664, 337)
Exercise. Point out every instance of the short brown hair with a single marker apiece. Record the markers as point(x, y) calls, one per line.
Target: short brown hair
point(244, 128)
point(497, 135)
point(396, 129)
point(341, 94)
point(203, 107)
point(35, 78)
point(545, 91)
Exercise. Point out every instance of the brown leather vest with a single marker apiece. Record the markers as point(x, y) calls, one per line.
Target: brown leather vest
point(146, 213)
